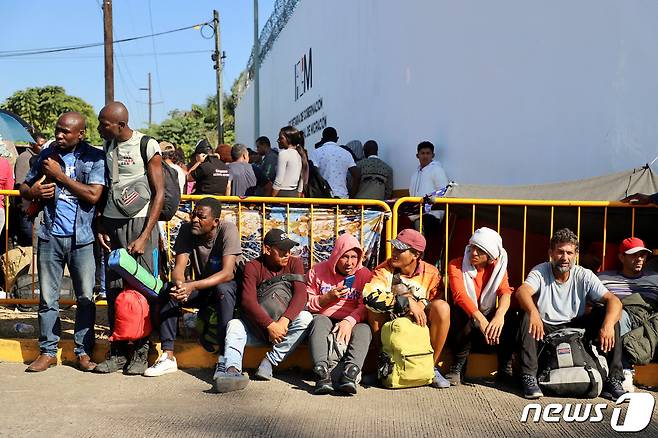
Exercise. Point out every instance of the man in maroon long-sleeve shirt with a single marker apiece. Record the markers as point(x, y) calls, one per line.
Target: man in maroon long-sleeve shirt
point(257, 325)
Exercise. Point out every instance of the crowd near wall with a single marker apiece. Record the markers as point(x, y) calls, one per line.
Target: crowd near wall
point(500, 87)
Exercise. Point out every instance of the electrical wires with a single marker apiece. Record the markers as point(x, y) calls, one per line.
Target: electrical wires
point(27, 52)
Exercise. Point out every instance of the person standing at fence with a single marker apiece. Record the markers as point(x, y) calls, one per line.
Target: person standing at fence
point(135, 231)
point(292, 164)
point(339, 317)
point(554, 296)
point(273, 301)
point(477, 281)
point(6, 181)
point(24, 224)
point(376, 175)
point(68, 180)
point(242, 178)
point(211, 247)
point(418, 282)
point(428, 178)
point(269, 158)
point(209, 173)
point(334, 163)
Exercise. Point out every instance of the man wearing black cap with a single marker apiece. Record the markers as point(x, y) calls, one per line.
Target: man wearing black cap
point(210, 173)
point(272, 310)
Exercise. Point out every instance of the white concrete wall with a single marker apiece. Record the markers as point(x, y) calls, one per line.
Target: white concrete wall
point(511, 91)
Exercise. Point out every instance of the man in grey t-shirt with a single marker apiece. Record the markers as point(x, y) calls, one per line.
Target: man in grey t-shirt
point(211, 247)
point(554, 296)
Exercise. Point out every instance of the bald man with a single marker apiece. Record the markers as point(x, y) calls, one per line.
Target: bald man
point(67, 179)
point(135, 231)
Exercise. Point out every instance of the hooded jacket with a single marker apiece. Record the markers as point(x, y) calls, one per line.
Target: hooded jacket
point(323, 277)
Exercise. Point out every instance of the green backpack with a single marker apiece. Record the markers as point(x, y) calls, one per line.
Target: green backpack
point(407, 357)
point(206, 327)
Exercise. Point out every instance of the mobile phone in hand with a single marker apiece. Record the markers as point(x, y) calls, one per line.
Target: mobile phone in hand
point(349, 281)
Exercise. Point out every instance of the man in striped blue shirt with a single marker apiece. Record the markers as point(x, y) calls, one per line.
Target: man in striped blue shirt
point(631, 278)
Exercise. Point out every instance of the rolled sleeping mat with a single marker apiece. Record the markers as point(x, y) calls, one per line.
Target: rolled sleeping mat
point(121, 262)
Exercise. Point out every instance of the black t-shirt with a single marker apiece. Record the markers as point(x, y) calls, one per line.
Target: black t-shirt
point(211, 177)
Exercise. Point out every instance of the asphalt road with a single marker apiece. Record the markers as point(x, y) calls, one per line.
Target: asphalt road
point(65, 402)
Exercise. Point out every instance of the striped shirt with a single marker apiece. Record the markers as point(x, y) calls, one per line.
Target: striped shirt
point(620, 285)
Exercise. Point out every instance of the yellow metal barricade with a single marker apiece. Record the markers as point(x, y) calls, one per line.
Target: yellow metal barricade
point(584, 216)
point(263, 202)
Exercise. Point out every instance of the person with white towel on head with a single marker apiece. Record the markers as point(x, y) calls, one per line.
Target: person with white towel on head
point(478, 282)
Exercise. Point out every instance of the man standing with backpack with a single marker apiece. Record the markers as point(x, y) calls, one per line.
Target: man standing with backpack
point(273, 301)
point(129, 220)
point(561, 289)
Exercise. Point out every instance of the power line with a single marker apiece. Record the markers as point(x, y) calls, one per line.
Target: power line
point(26, 52)
point(99, 55)
point(155, 55)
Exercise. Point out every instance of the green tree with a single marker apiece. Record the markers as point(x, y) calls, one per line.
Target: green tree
point(41, 106)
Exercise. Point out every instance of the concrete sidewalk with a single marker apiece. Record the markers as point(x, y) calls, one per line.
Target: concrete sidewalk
point(65, 402)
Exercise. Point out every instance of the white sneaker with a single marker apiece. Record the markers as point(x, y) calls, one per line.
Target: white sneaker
point(162, 366)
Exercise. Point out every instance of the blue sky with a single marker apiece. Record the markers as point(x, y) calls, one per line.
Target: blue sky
point(178, 79)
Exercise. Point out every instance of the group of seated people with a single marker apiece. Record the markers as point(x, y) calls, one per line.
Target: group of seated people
point(340, 305)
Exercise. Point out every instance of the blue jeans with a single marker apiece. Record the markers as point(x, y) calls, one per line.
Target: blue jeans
point(238, 336)
point(52, 256)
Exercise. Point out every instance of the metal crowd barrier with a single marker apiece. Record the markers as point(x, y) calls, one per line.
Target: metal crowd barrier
point(593, 218)
point(265, 202)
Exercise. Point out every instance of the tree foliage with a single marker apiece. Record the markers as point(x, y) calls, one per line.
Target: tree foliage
point(41, 106)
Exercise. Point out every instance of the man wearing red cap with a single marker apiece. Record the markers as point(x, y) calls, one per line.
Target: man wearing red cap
point(631, 278)
point(405, 273)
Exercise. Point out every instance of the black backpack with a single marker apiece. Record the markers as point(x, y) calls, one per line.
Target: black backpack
point(571, 366)
point(171, 188)
point(317, 186)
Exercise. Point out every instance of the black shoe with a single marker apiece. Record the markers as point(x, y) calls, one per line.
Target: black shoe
point(531, 388)
point(139, 362)
point(454, 374)
point(323, 384)
point(115, 361)
point(348, 379)
point(612, 389)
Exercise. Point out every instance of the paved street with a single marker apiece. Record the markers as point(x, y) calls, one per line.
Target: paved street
point(65, 402)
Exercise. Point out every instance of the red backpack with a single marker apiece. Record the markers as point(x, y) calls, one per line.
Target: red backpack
point(131, 317)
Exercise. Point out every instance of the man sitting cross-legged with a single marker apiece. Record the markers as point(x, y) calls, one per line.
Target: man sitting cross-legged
point(211, 246)
point(272, 310)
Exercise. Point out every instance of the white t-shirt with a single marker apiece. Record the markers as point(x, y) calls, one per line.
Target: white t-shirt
point(559, 303)
point(131, 168)
point(333, 163)
point(181, 176)
point(428, 179)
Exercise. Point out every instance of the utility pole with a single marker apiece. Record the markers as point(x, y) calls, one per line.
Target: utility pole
point(150, 99)
point(217, 57)
point(109, 51)
point(256, 68)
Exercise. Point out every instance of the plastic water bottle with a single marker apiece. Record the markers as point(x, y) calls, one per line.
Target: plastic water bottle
point(20, 327)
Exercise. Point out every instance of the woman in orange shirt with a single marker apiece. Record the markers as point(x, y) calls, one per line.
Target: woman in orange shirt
point(476, 280)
